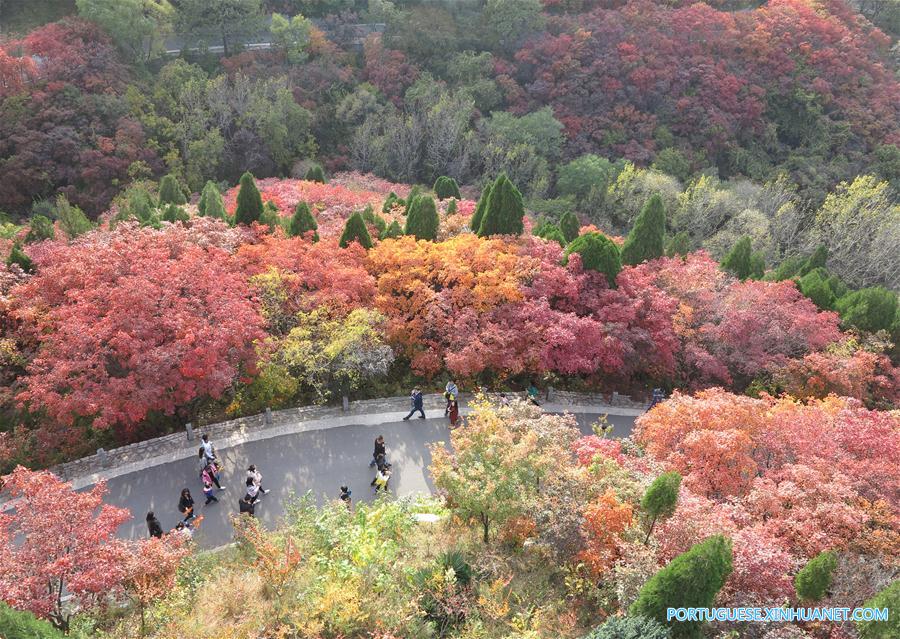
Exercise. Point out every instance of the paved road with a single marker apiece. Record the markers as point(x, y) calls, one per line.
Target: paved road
point(319, 461)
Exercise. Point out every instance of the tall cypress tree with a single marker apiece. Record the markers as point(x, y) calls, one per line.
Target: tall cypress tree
point(569, 226)
point(445, 187)
point(414, 192)
point(598, 253)
point(356, 231)
point(303, 222)
point(249, 201)
point(691, 580)
point(646, 241)
point(738, 261)
point(505, 210)
point(480, 208)
point(423, 221)
point(211, 204)
point(170, 192)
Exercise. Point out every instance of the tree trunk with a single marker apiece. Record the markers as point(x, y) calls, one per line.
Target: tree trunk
point(485, 523)
point(649, 532)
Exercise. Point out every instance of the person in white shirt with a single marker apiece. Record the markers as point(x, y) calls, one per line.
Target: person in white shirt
point(252, 491)
point(256, 477)
point(208, 450)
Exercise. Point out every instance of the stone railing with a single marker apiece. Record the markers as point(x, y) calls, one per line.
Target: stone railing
point(190, 437)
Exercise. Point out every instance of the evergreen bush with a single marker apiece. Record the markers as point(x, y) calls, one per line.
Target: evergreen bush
point(249, 201)
point(356, 231)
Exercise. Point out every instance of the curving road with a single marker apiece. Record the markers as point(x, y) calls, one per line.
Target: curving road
point(319, 461)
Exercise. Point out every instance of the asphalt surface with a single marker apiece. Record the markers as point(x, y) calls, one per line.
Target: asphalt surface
point(317, 461)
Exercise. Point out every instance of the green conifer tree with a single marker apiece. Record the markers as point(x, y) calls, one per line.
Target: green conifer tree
point(72, 219)
point(646, 241)
point(598, 253)
point(249, 201)
point(414, 192)
point(818, 259)
point(868, 309)
point(737, 262)
point(40, 227)
point(174, 213)
point(303, 222)
point(660, 499)
point(505, 210)
point(451, 207)
point(691, 580)
point(390, 201)
point(392, 231)
point(356, 231)
point(170, 192)
point(316, 174)
point(814, 579)
point(679, 244)
point(423, 221)
point(446, 187)
point(18, 256)
point(481, 207)
point(211, 204)
point(569, 226)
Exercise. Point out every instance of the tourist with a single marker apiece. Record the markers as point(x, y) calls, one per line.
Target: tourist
point(209, 491)
point(186, 505)
point(533, 394)
point(256, 477)
point(252, 493)
point(210, 474)
point(450, 393)
point(345, 496)
point(379, 450)
point(417, 402)
point(183, 529)
point(454, 412)
point(504, 400)
point(208, 450)
point(381, 478)
point(153, 525)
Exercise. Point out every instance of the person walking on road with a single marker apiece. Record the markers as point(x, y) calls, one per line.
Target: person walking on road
point(454, 413)
point(208, 450)
point(418, 404)
point(533, 394)
point(210, 492)
point(450, 393)
point(153, 525)
point(256, 477)
point(252, 491)
point(382, 476)
point(186, 505)
point(345, 496)
point(246, 507)
point(379, 451)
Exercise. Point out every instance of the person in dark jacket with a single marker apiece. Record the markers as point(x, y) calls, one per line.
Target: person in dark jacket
point(247, 507)
point(153, 525)
point(418, 404)
point(345, 496)
point(186, 505)
point(379, 450)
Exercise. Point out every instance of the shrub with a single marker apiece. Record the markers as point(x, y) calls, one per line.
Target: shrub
point(454, 559)
point(814, 579)
point(356, 231)
point(445, 187)
point(888, 598)
point(738, 261)
point(18, 256)
point(551, 233)
point(303, 222)
point(316, 174)
point(249, 201)
point(679, 244)
point(816, 287)
point(598, 253)
point(629, 628)
point(505, 210)
point(582, 175)
point(788, 268)
point(569, 226)
point(16, 624)
point(375, 220)
point(270, 216)
point(392, 231)
point(661, 498)
point(816, 260)
point(451, 208)
point(72, 219)
point(868, 309)
point(672, 162)
point(211, 204)
point(40, 227)
point(423, 221)
point(647, 236)
point(414, 192)
point(174, 213)
point(390, 201)
point(170, 192)
point(691, 580)
point(757, 265)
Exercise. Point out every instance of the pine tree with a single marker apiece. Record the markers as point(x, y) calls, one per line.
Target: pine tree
point(303, 222)
point(270, 216)
point(170, 192)
point(868, 309)
point(737, 262)
point(480, 208)
point(646, 240)
point(757, 265)
point(445, 187)
point(390, 201)
point(72, 219)
point(316, 174)
point(889, 628)
point(451, 207)
point(598, 253)
point(814, 579)
point(423, 221)
point(370, 217)
point(414, 192)
point(174, 213)
point(211, 204)
point(505, 210)
point(356, 231)
point(40, 227)
point(691, 580)
point(392, 231)
point(660, 499)
point(679, 244)
point(18, 256)
point(249, 201)
point(569, 226)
